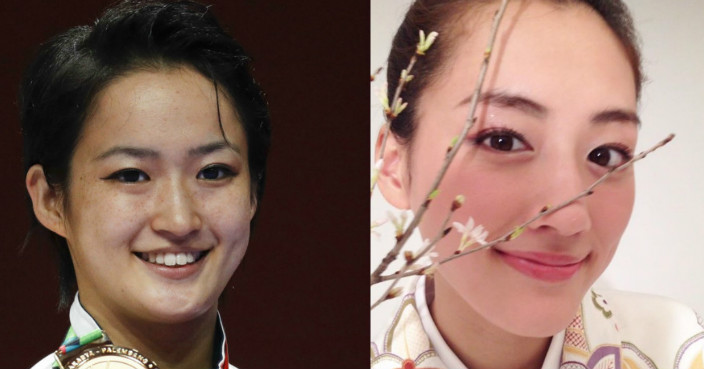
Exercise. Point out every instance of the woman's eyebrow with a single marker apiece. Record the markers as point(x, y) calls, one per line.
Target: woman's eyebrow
point(616, 115)
point(144, 153)
point(513, 101)
point(213, 147)
point(136, 152)
point(524, 104)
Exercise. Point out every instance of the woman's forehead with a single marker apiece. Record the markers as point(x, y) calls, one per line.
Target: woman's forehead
point(544, 49)
point(152, 107)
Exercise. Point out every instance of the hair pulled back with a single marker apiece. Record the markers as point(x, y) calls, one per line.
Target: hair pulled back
point(444, 17)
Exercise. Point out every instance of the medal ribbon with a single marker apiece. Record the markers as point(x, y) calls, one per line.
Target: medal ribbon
point(72, 342)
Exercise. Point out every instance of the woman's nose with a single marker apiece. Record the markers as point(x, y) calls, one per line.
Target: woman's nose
point(176, 215)
point(558, 185)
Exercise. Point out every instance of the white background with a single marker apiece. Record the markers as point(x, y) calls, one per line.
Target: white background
point(662, 250)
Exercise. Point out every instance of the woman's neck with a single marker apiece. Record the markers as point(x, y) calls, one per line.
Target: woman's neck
point(478, 343)
point(186, 345)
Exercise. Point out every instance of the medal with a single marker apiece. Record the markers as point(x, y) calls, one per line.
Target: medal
point(106, 356)
point(96, 351)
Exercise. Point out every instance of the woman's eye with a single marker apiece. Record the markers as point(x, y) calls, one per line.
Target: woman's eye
point(129, 176)
point(608, 156)
point(215, 172)
point(502, 140)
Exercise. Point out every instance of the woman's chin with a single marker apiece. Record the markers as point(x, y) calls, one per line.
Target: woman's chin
point(537, 320)
point(178, 309)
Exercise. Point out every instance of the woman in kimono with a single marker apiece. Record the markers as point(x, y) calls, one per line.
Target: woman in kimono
point(558, 109)
point(145, 142)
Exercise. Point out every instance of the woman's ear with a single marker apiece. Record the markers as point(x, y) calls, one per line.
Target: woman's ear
point(46, 201)
point(253, 208)
point(393, 177)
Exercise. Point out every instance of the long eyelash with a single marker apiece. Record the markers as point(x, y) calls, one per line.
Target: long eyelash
point(223, 167)
point(488, 132)
point(114, 176)
point(621, 148)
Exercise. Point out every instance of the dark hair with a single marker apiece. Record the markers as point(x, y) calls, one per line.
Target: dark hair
point(60, 86)
point(443, 16)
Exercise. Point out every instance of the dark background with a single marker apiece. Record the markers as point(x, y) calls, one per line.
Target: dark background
point(300, 298)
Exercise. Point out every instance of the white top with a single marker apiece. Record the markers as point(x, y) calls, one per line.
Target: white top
point(631, 331)
point(83, 323)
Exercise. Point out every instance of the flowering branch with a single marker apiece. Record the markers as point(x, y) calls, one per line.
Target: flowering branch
point(397, 105)
point(516, 232)
point(401, 241)
point(412, 259)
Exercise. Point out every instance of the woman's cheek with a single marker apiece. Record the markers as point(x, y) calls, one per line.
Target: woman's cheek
point(494, 199)
point(610, 211)
point(230, 214)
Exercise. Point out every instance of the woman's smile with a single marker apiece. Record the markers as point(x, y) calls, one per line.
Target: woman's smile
point(548, 267)
point(172, 259)
point(159, 198)
point(551, 120)
point(174, 265)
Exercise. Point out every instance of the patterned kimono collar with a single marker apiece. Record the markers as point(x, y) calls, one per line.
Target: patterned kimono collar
point(444, 351)
point(82, 323)
point(590, 341)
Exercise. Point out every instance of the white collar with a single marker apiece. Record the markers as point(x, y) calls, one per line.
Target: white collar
point(83, 323)
point(448, 357)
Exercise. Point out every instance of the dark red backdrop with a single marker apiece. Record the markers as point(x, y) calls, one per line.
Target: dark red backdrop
point(300, 298)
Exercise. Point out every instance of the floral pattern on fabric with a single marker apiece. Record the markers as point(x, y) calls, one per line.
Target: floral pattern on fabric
point(593, 340)
point(691, 354)
point(405, 344)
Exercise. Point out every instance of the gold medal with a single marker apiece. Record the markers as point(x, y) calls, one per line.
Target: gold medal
point(105, 356)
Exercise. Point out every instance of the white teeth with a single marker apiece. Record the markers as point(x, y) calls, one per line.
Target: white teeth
point(171, 259)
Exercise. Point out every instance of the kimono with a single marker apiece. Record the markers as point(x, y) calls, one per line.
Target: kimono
point(82, 323)
point(614, 330)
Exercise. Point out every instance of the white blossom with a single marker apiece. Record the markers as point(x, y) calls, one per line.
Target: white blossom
point(471, 234)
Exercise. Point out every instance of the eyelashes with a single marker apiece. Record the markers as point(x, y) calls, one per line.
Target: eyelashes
point(506, 140)
point(502, 139)
point(216, 172)
point(211, 173)
point(611, 155)
point(129, 175)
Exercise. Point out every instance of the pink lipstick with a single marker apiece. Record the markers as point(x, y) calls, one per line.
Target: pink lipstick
point(543, 266)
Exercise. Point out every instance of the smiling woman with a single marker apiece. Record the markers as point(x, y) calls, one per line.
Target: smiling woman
point(153, 184)
point(557, 111)
point(145, 143)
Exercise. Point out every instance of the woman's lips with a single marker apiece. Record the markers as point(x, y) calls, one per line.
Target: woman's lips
point(174, 272)
point(543, 266)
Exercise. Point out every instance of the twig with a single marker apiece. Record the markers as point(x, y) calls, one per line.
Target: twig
point(390, 115)
point(546, 211)
point(401, 241)
point(410, 261)
point(515, 232)
point(397, 105)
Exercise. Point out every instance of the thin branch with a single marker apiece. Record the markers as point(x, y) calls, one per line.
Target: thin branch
point(375, 74)
point(549, 210)
point(400, 275)
point(389, 115)
point(410, 261)
point(513, 234)
point(393, 254)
